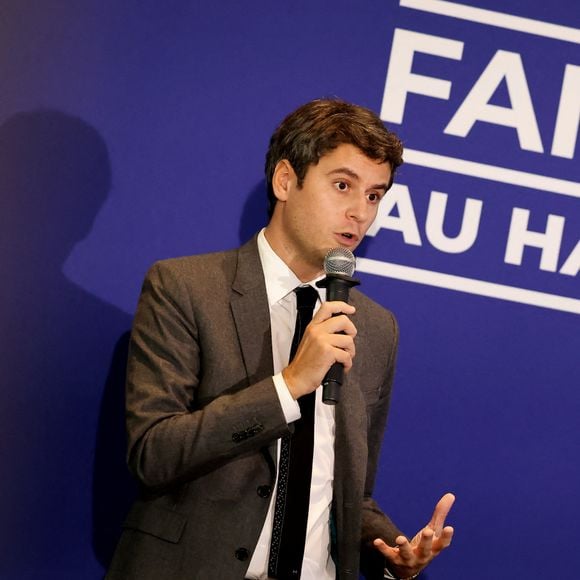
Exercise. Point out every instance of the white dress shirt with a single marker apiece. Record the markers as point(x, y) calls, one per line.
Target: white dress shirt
point(317, 563)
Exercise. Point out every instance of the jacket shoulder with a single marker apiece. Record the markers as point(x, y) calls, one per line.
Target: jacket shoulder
point(374, 313)
point(211, 268)
point(186, 265)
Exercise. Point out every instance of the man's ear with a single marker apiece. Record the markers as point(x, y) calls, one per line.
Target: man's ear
point(283, 179)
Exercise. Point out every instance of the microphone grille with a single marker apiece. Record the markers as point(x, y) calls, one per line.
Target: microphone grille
point(339, 261)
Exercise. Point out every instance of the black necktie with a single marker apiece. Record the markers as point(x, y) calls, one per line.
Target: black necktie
point(294, 469)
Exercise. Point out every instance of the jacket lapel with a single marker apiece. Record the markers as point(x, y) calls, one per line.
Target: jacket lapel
point(350, 441)
point(351, 424)
point(350, 469)
point(249, 305)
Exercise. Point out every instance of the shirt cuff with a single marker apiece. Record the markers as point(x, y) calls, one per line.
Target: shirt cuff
point(290, 407)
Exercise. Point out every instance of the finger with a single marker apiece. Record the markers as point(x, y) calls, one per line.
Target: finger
point(336, 324)
point(441, 511)
point(391, 554)
point(406, 553)
point(424, 549)
point(329, 309)
point(344, 358)
point(340, 324)
point(344, 342)
point(328, 343)
point(443, 541)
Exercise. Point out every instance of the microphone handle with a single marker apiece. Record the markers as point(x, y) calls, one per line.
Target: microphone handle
point(332, 383)
point(337, 288)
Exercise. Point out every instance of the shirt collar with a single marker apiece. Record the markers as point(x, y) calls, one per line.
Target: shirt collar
point(280, 280)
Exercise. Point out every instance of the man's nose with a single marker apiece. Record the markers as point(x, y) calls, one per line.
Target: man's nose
point(358, 208)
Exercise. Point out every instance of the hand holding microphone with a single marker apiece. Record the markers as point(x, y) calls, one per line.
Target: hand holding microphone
point(339, 266)
point(327, 347)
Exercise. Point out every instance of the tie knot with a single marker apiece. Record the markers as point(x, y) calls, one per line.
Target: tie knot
point(306, 297)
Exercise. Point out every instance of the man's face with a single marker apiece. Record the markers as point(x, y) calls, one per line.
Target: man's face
point(335, 206)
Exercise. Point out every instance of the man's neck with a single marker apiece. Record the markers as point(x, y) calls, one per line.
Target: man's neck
point(304, 271)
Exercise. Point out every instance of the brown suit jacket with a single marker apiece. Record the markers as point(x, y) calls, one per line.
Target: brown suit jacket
point(203, 418)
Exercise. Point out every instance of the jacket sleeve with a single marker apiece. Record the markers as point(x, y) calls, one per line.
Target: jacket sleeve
point(375, 523)
point(174, 435)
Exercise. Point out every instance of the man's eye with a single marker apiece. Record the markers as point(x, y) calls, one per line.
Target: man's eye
point(374, 197)
point(341, 185)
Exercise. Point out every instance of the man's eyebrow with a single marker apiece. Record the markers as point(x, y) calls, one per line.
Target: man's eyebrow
point(354, 175)
point(345, 170)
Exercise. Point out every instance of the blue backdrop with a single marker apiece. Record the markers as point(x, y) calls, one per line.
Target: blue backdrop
point(132, 131)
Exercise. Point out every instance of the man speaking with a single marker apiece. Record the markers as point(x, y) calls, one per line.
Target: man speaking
point(244, 471)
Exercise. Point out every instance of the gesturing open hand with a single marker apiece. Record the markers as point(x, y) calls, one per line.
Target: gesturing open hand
point(408, 558)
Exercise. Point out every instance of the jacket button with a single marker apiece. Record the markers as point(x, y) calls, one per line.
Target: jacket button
point(264, 491)
point(242, 554)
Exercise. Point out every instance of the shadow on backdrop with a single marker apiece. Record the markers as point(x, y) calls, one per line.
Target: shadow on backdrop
point(62, 441)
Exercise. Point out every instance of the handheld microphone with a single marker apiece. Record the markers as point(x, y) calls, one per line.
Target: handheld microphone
point(339, 266)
